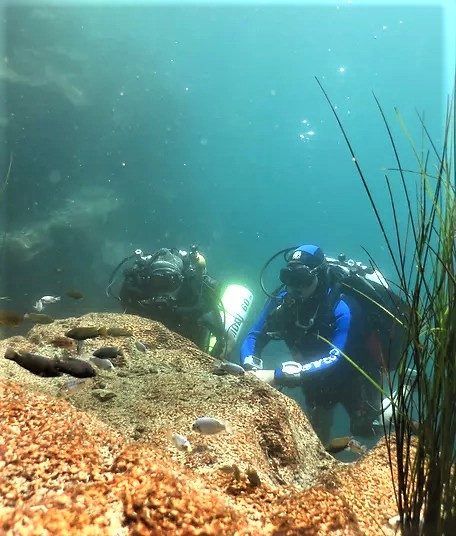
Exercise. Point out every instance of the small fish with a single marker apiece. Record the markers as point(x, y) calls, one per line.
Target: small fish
point(83, 333)
point(10, 319)
point(181, 443)
point(75, 294)
point(46, 300)
point(71, 387)
point(253, 477)
point(119, 332)
point(141, 347)
point(232, 469)
point(38, 306)
point(210, 426)
point(39, 318)
point(227, 469)
point(394, 522)
point(62, 342)
point(108, 352)
point(102, 363)
point(219, 372)
point(338, 444)
point(236, 472)
point(35, 363)
point(356, 447)
point(228, 367)
point(75, 367)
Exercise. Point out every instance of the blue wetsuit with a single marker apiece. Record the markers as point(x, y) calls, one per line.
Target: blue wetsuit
point(327, 378)
point(299, 325)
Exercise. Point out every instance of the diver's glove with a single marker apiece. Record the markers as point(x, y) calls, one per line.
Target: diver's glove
point(292, 373)
point(252, 363)
point(289, 374)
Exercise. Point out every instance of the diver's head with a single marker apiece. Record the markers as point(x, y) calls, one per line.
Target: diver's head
point(300, 275)
point(165, 273)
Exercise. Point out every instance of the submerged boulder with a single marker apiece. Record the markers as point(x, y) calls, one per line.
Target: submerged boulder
point(108, 465)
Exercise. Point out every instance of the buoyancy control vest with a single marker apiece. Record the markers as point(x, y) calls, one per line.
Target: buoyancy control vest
point(385, 312)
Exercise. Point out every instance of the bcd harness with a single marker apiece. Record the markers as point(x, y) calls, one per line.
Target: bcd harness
point(384, 311)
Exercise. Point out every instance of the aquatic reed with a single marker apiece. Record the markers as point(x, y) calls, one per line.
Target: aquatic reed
point(421, 435)
point(5, 179)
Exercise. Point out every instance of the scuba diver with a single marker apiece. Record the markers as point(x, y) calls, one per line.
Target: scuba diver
point(325, 308)
point(172, 286)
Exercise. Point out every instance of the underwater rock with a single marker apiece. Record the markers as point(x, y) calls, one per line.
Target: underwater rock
point(59, 457)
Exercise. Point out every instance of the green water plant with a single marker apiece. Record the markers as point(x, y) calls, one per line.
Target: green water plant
point(3, 186)
point(421, 435)
point(5, 180)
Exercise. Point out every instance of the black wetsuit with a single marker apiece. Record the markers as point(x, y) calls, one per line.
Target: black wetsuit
point(192, 311)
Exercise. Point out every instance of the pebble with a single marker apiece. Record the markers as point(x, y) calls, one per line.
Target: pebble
point(103, 394)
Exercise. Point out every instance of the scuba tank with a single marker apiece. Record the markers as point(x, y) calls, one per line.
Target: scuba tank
point(385, 311)
point(236, 301)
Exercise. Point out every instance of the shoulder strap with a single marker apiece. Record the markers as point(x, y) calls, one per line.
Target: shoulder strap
point(335, 277)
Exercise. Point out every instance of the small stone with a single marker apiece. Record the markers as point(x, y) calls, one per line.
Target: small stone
point(103, 394)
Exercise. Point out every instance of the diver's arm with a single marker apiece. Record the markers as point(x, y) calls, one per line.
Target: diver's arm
point(292, 373)
point(130, 291)
point(256, 340)
point(207, 298)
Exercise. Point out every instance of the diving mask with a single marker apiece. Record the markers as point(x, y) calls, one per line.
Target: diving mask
point(296, 275)
point(164, 281)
